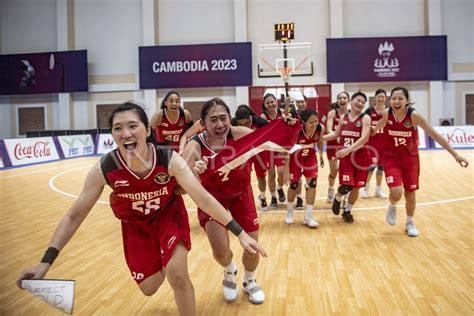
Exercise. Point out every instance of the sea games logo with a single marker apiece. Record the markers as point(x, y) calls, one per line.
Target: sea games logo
point(386, 66)
point(37, 150)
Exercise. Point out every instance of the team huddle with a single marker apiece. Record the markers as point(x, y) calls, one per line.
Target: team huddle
point(148, 176)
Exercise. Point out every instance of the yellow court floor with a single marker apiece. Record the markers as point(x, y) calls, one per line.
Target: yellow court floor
point(367, 267)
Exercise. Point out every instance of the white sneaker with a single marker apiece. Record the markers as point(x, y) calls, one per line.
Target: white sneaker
point(230, 285)
point(391, 215)
point(310, 221)
point(289, 217)
point(380, 194)
point(411, 230)
point(255, 291)
point(330, 195)
point(364, 193)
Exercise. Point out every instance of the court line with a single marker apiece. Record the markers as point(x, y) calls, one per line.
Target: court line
point(42, 170)
point(53, 187)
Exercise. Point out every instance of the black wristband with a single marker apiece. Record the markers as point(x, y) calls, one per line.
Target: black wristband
point(234, 227)
point(50, 255)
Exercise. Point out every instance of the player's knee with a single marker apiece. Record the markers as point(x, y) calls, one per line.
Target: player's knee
point(344, 189)
point(294, 185)
point(312, 183)
point(150, 285)
point(177, 278)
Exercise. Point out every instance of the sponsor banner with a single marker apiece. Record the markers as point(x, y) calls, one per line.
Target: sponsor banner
point(207, 65)
point(457, 136)
point(31, 150)
point(376, 59)
point(51, 72)
point(76, 145)
point(422, 139)
point(105, 144)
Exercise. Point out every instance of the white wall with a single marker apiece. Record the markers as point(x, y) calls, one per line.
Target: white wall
point(374, 18)
point(195, 22)
point(112, 30)
point(28, 26)
point(458, 25)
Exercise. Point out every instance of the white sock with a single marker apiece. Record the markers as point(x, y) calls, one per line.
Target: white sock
point(410, 220)
point(289, 206)
point(279, 187)
point(299, 195)
point(231, 267)
point(274, 194)
point(338, 198)
point(262, 195)
point(249, 275)
point(309, 209)
point(348, 207)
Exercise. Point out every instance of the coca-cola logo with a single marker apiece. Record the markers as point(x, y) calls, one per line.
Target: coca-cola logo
point(37, 150)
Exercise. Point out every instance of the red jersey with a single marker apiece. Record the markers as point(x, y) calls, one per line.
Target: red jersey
point(223, 185)
point(308, 143)
point(136, 199)
point(170, 131)
point(335, 124)
point(377, 141)
point(269, 119)
point(351, 132)
point(401, 136)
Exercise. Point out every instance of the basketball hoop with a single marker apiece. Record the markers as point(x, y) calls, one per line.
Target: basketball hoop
point(285, 73)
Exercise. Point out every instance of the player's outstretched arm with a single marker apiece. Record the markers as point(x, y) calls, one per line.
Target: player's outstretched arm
point(421, 121)
point(93, 186)
point(180, 170)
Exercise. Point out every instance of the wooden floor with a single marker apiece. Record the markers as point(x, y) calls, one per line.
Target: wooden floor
point(367, 267)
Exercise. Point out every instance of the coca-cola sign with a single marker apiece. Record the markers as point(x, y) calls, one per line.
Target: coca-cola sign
point(37, 150)
point(31, 150)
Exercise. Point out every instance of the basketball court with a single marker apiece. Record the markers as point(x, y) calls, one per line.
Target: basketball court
point(367, 267)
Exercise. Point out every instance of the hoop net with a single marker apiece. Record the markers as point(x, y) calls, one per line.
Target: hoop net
point(285, 73)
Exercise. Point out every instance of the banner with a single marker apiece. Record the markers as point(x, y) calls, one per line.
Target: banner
point(415, 58)
point(208, 65)
point(76, 145)
point(105, 143)
point(51, 72)
point(57, 293)
point(22, 151)
point(457, 136)
point(422, 139)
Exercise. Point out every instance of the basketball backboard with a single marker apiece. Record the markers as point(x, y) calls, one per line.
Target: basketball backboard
point(272, 58)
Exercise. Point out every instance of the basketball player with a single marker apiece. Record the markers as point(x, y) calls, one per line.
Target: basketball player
point(402, 162)
point(353, 131)
point(304, 162)
point(301, 104)
point(270, 112)
point(334, 116)
point(172, 121)
point(244, 116)
point(155, 227)
point(232, 189)
point(376, 145)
